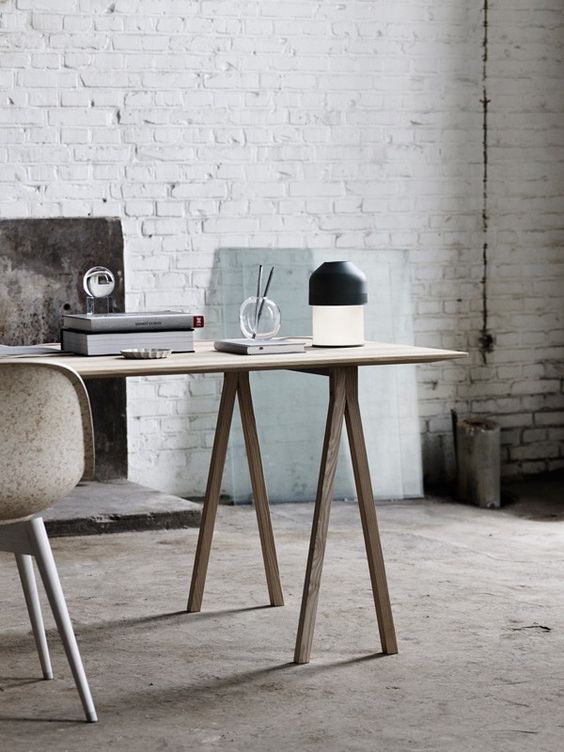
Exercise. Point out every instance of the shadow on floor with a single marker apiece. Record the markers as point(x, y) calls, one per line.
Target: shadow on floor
point(539, 499)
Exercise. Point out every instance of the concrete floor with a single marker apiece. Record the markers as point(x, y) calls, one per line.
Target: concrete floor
point(478, 598)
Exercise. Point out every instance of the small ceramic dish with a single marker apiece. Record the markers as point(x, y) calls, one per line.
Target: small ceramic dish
point(145, 353)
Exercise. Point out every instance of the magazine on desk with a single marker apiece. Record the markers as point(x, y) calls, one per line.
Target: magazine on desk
point(27, 351)
point(274, 346)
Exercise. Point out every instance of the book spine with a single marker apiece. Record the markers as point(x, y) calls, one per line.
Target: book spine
point(135, 324)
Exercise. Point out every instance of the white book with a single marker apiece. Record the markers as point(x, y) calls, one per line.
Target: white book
point(273, 346)
point(112, 343)
point(132, 322)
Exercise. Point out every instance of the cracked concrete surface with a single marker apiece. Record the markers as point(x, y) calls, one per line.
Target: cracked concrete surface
point(473, 591)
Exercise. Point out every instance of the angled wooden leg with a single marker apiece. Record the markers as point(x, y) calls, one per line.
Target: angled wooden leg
point(259, 491)
point(213, 489)
point(321, 516)
point(368, 515)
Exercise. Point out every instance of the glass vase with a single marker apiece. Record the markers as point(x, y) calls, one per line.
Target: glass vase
point(259, 318)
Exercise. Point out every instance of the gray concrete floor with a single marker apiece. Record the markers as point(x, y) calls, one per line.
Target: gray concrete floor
point(478, 598)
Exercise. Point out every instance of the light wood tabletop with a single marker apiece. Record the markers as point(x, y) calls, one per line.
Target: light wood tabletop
point(340, 367)
point(208, 360)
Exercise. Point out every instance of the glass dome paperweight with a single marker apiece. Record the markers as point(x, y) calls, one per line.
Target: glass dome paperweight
point(259, 318)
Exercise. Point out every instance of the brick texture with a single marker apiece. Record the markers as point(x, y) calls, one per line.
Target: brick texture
point(322, 124)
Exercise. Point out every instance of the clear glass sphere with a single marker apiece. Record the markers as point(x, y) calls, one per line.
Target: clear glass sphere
point(99, 282)
point(259, 317)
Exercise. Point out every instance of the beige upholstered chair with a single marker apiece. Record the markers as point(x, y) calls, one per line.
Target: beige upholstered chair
point(46, 446)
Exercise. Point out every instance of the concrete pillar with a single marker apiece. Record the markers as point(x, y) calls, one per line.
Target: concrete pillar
point(478, 461)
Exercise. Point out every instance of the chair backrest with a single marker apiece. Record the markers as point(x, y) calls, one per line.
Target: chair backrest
point(46, 436)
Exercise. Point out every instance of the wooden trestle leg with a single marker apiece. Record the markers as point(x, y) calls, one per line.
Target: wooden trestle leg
point(343, 403)
point(330, 454)
point(260, 494)
point(219, 452)
point(367, 510)
point(235, 384)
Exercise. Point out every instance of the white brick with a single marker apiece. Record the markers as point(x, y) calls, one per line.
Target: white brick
point(78, 116)
point(14, 135)
point(46, 21)
point(163, 226)
point(53, 6)
point(107, 172)
point(34, 79)
point(15, 60)
point(18, 116)
point(43, 173)
point(102, 153)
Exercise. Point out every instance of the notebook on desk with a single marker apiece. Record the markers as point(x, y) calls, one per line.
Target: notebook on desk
point(257, 346)
point(27, 351)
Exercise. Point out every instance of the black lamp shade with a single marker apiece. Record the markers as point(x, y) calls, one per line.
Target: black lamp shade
point(337, 283)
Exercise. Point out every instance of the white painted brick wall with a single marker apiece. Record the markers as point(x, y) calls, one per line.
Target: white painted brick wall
point(527, 187)
point(350, 124)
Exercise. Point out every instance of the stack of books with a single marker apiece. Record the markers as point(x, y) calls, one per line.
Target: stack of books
point(110, 333)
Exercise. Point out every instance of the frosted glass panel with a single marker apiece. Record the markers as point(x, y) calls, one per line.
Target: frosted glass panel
point(291, 407)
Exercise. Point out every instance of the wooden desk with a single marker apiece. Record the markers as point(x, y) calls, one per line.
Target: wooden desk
point(341, 367)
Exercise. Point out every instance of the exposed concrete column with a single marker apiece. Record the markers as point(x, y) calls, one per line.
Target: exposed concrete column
point(478, 457)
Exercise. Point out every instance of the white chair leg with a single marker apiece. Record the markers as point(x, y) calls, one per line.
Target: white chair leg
point(25, 568)
point(50, 577)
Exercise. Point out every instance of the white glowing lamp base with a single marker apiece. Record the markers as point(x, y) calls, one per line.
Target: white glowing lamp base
point(338, 326)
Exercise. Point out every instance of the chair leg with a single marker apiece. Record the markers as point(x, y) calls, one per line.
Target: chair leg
point(50, 577)
point(25, 569)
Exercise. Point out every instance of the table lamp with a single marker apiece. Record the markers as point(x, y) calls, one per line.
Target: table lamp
point(337, 295)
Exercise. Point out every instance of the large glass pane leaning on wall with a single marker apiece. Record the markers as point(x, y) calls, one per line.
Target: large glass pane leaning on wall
point(291, 407)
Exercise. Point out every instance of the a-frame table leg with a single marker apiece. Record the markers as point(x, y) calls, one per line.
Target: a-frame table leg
point(367, 509)
point(324, 496)
point(235, 384)
point(259, 491)
point(344, 403)
point(219, 452)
